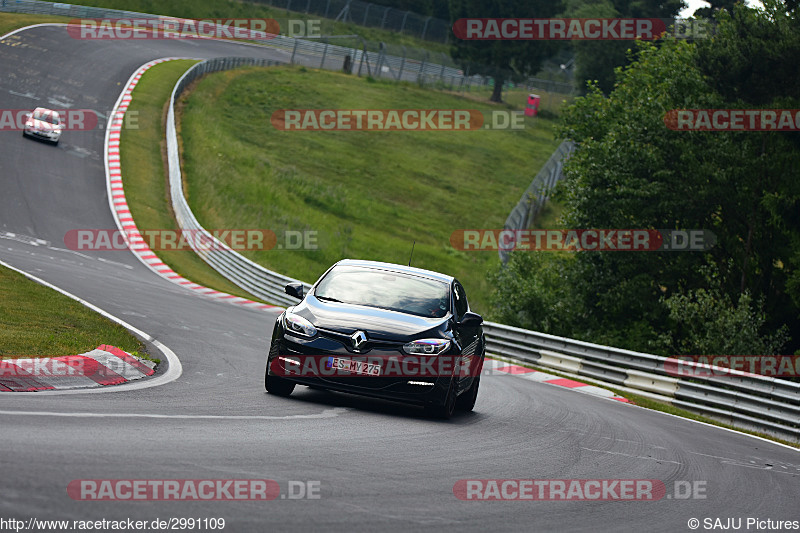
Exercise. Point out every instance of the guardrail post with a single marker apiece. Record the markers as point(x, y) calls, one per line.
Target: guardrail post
point(294, 51)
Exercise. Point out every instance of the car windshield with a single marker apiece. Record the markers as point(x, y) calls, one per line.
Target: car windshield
point(46, 116)
point(386, 290)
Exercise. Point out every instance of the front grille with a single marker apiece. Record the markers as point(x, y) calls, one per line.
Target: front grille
point(371, 344)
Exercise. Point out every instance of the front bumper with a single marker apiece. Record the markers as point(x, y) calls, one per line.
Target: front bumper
point(408, 387)
point(51, 136)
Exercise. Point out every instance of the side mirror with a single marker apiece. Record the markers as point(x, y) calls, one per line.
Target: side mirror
point(471, 320)
point(294, 289)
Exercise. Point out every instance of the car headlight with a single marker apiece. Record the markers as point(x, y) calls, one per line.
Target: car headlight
point(299, 325)
point(426, 346)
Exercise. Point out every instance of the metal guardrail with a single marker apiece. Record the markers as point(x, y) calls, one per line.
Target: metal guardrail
point(537, 192)
point(763, 403)
point(371, 15)
point(248, 275)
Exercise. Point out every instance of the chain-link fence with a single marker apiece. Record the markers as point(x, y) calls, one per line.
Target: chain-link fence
point(370, 15)
point(351, 53)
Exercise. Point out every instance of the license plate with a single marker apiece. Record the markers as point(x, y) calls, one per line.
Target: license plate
point(355, 367)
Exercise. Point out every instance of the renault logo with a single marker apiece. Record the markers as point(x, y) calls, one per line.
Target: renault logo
point(359, 338)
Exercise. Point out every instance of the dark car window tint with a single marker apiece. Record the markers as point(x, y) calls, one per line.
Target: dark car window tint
point(46, 117)
point(389, 290)
point(460, 298)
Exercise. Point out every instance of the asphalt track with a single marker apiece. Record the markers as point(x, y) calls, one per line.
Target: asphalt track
point(381, 466)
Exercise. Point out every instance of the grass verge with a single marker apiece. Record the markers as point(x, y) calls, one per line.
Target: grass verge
point(36, 321)
point(655, 405)
point(366, 194)
point(12, 21)
point(142, 155)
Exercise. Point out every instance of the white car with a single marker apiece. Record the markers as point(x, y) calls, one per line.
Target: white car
point(43, 124)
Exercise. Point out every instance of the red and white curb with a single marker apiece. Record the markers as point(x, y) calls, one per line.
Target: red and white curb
point(497, 366)
point(119, 205)
point(105, 365)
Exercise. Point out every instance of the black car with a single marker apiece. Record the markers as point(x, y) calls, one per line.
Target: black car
point(382, 330)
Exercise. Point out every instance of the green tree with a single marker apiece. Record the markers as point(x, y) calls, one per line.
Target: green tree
point(630, 171)
point(716, 5)
point(596, 61)
point(706, 322)
point(503, 60)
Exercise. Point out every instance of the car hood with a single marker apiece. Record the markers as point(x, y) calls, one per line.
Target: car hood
point(380, 324)
point(42, 125)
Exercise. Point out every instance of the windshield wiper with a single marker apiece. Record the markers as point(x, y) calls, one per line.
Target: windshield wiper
point(327, 299)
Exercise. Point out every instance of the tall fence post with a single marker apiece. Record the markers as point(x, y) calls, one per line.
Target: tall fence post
point(402, 64)
point(324, 53)
point(381, 53)
point(425, 28)
point(383, 21)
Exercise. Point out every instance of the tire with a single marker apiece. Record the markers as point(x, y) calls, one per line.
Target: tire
point(466, 402)
point(277, 385)
point(446, 410)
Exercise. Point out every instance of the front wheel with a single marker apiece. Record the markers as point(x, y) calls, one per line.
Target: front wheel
point(277, 385)
point(466, 402)
point(446, 410)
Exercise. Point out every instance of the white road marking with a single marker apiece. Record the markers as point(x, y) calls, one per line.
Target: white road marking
point(326, 413)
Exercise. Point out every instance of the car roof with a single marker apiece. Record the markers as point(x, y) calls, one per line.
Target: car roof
point(397, 268)
point(47, 111)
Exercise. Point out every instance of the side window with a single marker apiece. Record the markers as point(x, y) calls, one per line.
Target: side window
point(460, 298)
